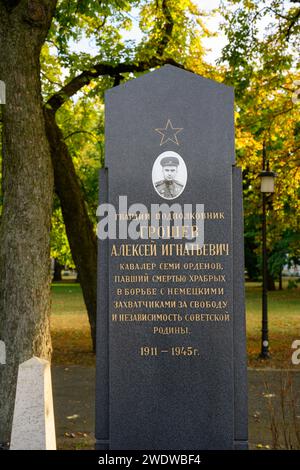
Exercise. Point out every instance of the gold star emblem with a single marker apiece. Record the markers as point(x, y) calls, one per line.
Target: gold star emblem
point(169, 133)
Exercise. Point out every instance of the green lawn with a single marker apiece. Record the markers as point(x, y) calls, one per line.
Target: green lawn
point(284, 324)
point(69, 326)
point(72, 344)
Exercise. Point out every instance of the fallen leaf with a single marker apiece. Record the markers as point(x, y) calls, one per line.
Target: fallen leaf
point(73, 417)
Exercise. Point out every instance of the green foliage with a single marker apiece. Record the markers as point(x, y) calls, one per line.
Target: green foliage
point(173, 29)
point(82, 123)
point(284, 251)
point(60, 248)
point(261, 60)
point(94, 20)
point(86, 33)
point(293, 284)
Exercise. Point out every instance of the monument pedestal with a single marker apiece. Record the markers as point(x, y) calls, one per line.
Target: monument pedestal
point(33, 422)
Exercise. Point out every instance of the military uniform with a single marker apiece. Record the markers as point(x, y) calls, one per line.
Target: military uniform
point(169, 189)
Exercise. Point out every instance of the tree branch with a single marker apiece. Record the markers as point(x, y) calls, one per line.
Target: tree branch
point(115, 71)
point(80, 132)
point(84, 78)
point(290, 20)
point(167, 29)
point(293, 20)
point(269, 119)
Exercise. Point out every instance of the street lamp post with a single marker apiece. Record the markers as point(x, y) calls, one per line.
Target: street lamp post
point(267, 186)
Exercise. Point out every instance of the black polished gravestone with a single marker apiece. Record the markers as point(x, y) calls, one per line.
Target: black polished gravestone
point(171, 360)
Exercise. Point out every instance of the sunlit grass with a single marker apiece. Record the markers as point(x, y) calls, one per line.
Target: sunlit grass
point(70, 326)
point(284, 324)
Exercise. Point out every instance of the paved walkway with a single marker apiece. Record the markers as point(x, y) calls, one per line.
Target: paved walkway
point(74, 398)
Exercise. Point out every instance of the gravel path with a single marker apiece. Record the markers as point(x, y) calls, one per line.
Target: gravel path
point(74, 398)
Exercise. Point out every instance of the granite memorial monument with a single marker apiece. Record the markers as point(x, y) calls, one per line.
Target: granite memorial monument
point(171, 353)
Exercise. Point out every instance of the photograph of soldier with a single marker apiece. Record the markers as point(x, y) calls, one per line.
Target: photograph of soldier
point(170, 185)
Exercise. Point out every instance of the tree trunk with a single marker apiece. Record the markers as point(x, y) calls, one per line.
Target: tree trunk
point(280, 281)
point(270, 282)
point(57, 271)
point(27, 197)
point(82, 238)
